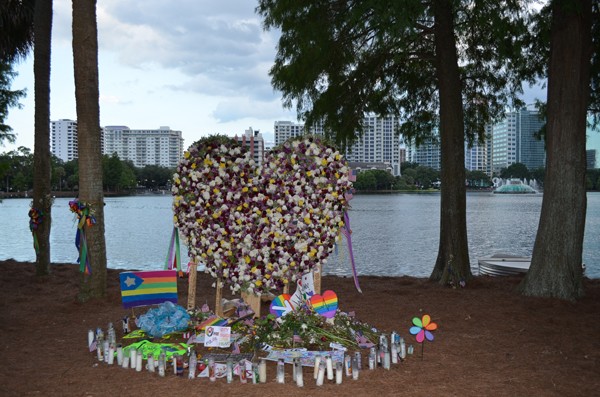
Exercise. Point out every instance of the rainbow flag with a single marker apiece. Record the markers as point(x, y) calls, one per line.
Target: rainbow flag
point(148, 287)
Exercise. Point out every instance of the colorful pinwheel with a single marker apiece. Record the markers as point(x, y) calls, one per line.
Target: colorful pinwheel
point(422, 328)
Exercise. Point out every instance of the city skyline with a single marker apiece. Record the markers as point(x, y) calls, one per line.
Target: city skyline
point(198, 67)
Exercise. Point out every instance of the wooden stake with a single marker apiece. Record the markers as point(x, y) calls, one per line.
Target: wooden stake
point(218, 298)
point(317, 279)
point(191, 303)
point(253, 300)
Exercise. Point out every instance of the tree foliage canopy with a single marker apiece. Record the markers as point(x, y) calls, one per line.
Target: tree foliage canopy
point(338, 59)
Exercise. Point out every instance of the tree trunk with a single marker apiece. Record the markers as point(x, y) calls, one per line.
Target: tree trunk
point(42, 169)
point(452, 264)
point(555, 269)
point(85, 57)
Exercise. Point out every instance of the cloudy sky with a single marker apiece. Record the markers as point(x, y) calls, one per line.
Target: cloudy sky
point(198, 66)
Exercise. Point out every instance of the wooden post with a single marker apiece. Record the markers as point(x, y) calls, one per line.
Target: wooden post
point(253, 300)
point(191, 303)
point(218, 298)
point(317, 279)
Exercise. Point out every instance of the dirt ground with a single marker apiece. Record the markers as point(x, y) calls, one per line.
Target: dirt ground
point(490, 341)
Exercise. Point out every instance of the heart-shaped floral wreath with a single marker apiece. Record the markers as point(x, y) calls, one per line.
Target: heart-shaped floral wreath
point(259, 228)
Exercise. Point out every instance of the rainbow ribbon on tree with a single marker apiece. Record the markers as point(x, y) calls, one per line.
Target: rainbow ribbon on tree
point(173, 260)
point(85, 218)
point(36, 217)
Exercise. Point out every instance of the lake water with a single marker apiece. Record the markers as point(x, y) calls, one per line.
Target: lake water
point(393, 235)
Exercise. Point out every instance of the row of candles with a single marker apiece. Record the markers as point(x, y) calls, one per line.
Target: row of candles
point(382, 355)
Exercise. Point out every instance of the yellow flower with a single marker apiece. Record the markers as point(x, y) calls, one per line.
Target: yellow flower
point(258, 283)
point(186, 154)
point(247, 259)
point(245, 189)
point(221, 165)
point(307, 220)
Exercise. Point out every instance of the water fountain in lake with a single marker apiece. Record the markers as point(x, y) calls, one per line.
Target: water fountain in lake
point(513, 186)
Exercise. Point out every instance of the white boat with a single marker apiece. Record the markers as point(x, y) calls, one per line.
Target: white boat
point(504, 265)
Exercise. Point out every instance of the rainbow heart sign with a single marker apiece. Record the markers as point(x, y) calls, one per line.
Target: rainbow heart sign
point(281, 305)
point(258, 228)
point(326, 304)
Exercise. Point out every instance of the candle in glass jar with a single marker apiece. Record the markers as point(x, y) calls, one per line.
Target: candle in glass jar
point(91, 338)
point(111, 355)
point(126, 362)
point(162, 362)
point(150, 365)
point(329, 366)
point(262, 370)
point(299, 375)
point(212, 373)
point(132, 357)
point(354, 368)
point(339, 373)
point(394, 353)
point(321, 374)
point(119, 354)
point(280, 371)
point(138, 361)
point(317, 365)
point(242, 367)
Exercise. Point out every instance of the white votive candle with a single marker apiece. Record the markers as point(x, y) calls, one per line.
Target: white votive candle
point(138, 362)
point(119, 354)
point(339, 373)
point(317, 364)
point(132, 357)
point(321, 374)
point(329, 365)
point(262, 371)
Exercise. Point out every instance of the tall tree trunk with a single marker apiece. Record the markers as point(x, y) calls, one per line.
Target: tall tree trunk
point(452, 264)
point(85, 57)
point(555, 269)
point(42, 169)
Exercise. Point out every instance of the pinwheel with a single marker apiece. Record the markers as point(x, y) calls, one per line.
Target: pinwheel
point(422, 329)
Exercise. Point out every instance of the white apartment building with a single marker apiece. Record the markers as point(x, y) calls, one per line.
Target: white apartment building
point(63, 141)
point(378, 144)
point(255, 142)
point(162, 147)
point(285, 130)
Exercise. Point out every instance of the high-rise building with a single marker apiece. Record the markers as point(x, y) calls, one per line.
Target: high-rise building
point(379, 142)
point(427, 154)
point(514, 140)
point(255, 142)
point(285, 130)
point(63, 141)
point(162, 147)
point(478, 156)
point(590, 158)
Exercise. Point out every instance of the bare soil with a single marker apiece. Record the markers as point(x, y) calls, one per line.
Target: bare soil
point(491, 341)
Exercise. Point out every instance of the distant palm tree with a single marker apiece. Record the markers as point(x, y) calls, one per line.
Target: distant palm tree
point(85, 56)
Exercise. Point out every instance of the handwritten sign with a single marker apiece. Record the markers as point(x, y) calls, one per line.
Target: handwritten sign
point(217, 336)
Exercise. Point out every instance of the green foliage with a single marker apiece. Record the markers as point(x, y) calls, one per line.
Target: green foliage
point(337, 60)
point(8, 99)
point(478, 179)
point(516, 170)
point(16, 173)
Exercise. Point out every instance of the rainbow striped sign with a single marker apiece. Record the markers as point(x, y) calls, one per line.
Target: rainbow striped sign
point(148, 287)
point(326, 305)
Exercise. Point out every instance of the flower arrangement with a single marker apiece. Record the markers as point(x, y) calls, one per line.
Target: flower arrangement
point(304, 328)
point(259, 228)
